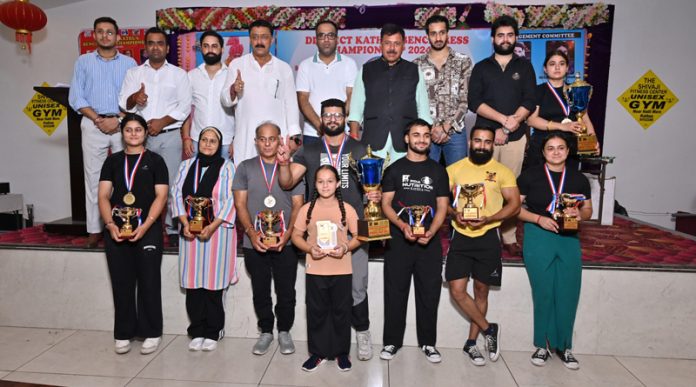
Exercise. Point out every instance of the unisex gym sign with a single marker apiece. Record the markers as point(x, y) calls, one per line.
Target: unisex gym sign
point(647, 99)
point(46, 113)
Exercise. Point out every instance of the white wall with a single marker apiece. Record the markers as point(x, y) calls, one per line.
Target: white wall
point(647, 35)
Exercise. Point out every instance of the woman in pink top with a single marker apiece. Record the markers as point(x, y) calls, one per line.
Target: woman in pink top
point(321, 230)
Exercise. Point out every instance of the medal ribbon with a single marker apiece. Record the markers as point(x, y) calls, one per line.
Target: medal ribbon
point(331, 155)
point(131, 178)
point(561, 101)
point(269, 185)
point(555, 191)
point(457, 190)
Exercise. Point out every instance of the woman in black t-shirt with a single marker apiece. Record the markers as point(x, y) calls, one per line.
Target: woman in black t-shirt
point(553, 258)
point(552, 113)
point(133, 189)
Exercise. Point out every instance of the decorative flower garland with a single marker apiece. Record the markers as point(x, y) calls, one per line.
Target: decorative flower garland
point(552, 15)
point(223, 18)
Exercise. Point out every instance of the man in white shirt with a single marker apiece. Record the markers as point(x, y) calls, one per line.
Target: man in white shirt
point(263, 89)
point(324, 75)
point(160, 92)
point(207, 81)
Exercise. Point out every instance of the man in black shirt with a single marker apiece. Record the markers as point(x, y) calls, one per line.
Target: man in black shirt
point(415, 180)
point(501, 93)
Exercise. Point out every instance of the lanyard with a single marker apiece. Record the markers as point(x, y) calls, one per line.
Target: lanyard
point(131, 178)
point(331, 155)
point(269, 185)
point(561, 101)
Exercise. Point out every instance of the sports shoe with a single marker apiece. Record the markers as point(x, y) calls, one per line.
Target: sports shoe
point(493, 342)
point(343, 363)
point(122, 346)
point(540, 356)
point(364, 345)
point(262, 344)
point(388, 352)
point(285, 341)
point(431, 353)
point(196, 344)
point(475, 355)
point(209, 345)
point(313, 363)
point(568, 359)
point(150, 345)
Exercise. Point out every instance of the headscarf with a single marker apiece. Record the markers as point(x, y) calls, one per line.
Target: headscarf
point(213, 163)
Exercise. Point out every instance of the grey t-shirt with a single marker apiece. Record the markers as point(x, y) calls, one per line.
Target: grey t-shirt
point(314, 155)
point(250, 177)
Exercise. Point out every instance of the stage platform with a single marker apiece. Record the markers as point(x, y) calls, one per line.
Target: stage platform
point(630, 305)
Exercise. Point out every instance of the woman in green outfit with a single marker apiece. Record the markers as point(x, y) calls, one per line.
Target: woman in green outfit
point(552, 255)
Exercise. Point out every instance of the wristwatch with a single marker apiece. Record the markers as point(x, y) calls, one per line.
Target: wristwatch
point(506, 130)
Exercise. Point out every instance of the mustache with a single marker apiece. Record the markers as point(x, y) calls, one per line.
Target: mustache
point(259, 46)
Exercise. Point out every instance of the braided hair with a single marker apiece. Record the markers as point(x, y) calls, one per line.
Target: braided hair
point(315, 195)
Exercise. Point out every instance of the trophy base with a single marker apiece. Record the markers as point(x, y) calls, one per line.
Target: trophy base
point(418, 231)
point(470, 213)
point(196, 226)
point(127, 233)
point(270, 240)
point(567, 224)
point(587, 144)
point(373, 230)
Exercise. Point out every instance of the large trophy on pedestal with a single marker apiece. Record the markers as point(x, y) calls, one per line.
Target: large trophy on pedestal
point(578, 95)
point(374, 226)
point(198, 222)
point(125, 214)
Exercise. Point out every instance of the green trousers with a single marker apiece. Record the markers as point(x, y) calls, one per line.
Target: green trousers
point(554, 267)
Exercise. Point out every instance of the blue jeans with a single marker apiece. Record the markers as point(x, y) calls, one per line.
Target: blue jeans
point(454, 150)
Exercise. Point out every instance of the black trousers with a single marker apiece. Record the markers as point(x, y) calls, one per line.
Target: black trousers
point(134, 268)
point(403, 260)
point(329, 300)
point(206, 313)
point(281, 267)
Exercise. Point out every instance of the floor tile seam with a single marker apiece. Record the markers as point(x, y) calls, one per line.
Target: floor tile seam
point(618, 360)
point(159, 351)
point(49, 348)
point(514, 379)
point(268, 365)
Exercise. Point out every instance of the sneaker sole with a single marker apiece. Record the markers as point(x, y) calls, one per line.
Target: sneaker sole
point(122, 351)
point(478, 363)
point(287, 351)
point(364, 357)
point(148, 351)
point(538, 363)
point(386, 357)
point(343, 369)
point(315, 367)
point(574, 366)
point(259, 353)
point(434, 361)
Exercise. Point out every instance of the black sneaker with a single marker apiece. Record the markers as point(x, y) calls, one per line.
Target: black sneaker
point(475, 355)
point(388, 352)
point(540, 356)
point(568, 359)
point(343, 363)
point(431, 353)
point(493, 342)
point(313, 363)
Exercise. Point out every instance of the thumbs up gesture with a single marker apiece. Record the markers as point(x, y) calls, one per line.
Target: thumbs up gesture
point(238, 84)
point(139, 96)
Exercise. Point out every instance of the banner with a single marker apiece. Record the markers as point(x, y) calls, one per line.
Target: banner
point(132, 43)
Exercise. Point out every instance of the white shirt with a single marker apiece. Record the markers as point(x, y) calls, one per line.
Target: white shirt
point(207, 109)
point(269, 95)
point(324, 81)
point(168, 92)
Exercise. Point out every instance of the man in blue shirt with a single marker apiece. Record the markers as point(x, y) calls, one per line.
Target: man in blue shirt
point(94, 93)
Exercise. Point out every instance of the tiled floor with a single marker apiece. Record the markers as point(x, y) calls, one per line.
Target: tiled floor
point(86, 358)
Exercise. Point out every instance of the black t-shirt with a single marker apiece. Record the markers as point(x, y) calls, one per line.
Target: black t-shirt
point(415, 183)
point(535, 186)
point(314, 155)
point(550, 109)
point(151, 171)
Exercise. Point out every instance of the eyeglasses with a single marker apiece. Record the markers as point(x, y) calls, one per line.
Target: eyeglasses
point(108, 33)
point(334, 116)
point(329, 36)
point(267, 139)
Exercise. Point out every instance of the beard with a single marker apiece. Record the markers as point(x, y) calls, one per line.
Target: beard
point(480, 156)
point(500, 50)
point(340, 128)
point(435, 47)
point(211, 59)
point(423, 151)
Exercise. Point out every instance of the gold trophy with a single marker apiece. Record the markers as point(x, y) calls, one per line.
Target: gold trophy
point(370, 168)
point(566, 222)
point(469, 192)
point(418, 214)
point(269, 218)
point(578, 95)
point(125, 214)
point(198, 222)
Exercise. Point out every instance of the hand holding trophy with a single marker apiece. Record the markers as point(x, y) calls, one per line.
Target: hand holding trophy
point(578, 95)
point(265, 223)
point(198, 221)
point(469, 192)
point(566, 221)
point(125, 214)
point(370, 168)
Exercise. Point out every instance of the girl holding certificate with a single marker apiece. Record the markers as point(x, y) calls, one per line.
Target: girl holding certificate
point(321, 230)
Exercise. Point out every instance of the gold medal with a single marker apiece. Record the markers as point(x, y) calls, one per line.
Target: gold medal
point(129, 199)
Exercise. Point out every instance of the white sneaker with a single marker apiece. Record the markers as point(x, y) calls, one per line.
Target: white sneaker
point(431, 353)
point(196, 344)
point(150, 345)
point(364, 345)
point(122, 346)
point(209, 345)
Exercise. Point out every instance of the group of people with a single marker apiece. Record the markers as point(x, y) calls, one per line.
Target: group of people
point(247, 156)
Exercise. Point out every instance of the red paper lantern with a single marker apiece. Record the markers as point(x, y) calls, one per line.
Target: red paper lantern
point(23, 17)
